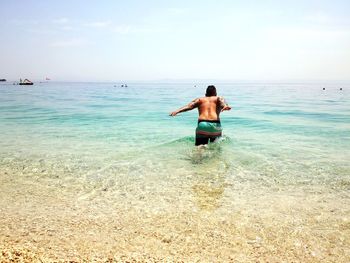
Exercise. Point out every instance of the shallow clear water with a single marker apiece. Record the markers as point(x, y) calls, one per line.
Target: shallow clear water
point(118, 146)
point(294, 127)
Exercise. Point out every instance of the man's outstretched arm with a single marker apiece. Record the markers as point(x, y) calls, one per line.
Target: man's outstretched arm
point(223, 105)
point(193, 104)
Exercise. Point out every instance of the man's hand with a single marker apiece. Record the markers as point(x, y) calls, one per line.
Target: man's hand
point(226, 108)
point(173, 113)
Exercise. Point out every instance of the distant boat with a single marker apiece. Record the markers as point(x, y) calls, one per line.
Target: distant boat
point(2, 79)
point(25, 82)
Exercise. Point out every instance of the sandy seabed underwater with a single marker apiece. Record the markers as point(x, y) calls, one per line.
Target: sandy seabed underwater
point(93, 172)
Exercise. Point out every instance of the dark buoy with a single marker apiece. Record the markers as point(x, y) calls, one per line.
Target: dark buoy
point(122, 86)
point(324, 88)
point(341, 88)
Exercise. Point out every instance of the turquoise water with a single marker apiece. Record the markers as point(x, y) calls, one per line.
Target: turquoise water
point(119, 147)
point(271, 121)
point(299, 129)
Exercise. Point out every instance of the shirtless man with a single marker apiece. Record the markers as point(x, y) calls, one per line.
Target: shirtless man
point(209, 108)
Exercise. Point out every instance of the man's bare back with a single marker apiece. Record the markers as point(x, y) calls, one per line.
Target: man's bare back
point(209, 109)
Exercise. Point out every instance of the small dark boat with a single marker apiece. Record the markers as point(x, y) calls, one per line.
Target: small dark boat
point(25, 82)
point(2, 79)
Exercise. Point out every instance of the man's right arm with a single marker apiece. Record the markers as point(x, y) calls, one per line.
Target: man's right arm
point(223, 105)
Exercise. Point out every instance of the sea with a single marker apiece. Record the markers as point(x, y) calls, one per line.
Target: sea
point(278, 179)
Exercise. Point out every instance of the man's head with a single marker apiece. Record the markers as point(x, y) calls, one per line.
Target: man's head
point(211, 91)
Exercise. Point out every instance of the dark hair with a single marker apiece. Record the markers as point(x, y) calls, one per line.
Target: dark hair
point(211, 91)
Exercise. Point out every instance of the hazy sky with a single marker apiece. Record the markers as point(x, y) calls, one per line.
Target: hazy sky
point(183, 39)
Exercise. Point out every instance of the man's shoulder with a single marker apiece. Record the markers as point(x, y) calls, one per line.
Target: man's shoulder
point(209, 98)
point(221, 99)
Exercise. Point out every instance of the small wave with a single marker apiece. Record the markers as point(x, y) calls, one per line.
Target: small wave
point(181, 141)
point(190, 140)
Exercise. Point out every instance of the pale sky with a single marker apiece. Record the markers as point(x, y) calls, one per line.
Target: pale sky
point(139, 40)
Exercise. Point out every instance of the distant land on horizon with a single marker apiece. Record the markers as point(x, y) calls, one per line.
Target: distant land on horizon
point(190, 81)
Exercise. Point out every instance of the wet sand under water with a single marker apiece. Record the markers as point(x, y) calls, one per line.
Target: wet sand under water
point(41, 223)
